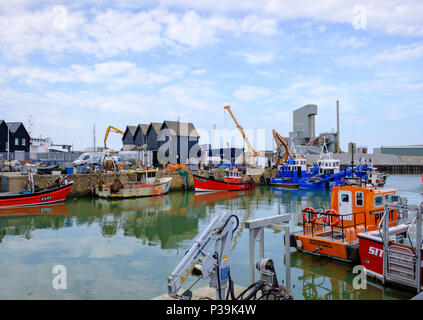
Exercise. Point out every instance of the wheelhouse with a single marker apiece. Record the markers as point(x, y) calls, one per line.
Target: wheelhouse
point(232, 176)
point(145, 176)
point(329, 165)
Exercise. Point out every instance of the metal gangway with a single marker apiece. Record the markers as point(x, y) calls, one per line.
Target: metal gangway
point(402, 260)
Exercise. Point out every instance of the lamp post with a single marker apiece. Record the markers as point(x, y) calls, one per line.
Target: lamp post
point(8, 144)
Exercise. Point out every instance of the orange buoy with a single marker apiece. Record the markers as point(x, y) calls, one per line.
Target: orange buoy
point(308, 210)
point(335, 216)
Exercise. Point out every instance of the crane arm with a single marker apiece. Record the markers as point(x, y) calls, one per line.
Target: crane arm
point(199, 262)
point(281, 141)
point(111, 128)
point(250, 147)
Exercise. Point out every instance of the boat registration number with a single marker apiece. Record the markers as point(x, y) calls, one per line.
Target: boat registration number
point(46, 198)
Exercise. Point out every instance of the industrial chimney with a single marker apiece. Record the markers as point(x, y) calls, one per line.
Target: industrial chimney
point(338, 141)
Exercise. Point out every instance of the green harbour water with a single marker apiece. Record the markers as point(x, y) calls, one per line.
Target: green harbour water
point(126, 249)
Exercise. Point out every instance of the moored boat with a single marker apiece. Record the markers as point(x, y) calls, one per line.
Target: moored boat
point(147, 185)
point(290, 173)
point(334, 233)
point(53, 194)
point(232, 181)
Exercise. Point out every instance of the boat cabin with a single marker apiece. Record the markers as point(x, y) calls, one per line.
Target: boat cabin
point(145, 176)
point(329, 165)
point(233, 176)
point(298, 165)
point(365, 205)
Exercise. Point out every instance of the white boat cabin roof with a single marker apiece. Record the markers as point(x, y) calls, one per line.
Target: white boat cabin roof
point(233, 174)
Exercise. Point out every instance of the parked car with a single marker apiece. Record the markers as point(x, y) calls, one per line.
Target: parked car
point(89, 158)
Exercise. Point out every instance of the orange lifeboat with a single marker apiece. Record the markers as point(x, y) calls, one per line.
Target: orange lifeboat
point(334, 232)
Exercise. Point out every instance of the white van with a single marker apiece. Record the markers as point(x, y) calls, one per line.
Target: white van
point(89, 158)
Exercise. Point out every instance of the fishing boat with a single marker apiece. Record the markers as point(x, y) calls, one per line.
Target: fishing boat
point(34, 196)
point(147, 185)
point(334, 232)
point(232, 181)
point(327, 174)
point(375, 177)
point(394, 253)
point(290, 173)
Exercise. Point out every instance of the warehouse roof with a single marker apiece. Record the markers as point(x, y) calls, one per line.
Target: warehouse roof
point(185, 128)
point(13, 126)
point(143, 128)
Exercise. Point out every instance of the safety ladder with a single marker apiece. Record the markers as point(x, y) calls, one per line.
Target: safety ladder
point(402, 264)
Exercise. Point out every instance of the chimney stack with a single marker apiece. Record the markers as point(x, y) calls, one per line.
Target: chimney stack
point(338, 141)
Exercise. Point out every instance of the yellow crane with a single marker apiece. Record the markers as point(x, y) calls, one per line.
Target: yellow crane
point(111, 128)
point(250, 147)
point(280, 141)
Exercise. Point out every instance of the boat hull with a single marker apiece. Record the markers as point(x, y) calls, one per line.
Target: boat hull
point(284, 185)
point(346, 252)
point(35, 199)
point(137, 190)
point(371, 254)
point(203, 184)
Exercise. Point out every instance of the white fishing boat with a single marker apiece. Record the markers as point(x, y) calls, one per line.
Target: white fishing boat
point(147, 185)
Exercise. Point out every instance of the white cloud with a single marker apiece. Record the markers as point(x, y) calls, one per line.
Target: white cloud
point(198, 71)
point(353, 42)
point(399, 53)
point(58, 29)
point(388, 16)
point(249, 93)
point(118, 73)
point(259, 58)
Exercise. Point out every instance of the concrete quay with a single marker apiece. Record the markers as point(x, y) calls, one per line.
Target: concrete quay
point(84, 183)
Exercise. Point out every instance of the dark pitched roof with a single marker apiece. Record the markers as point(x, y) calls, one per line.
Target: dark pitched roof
point(156, 126)
point(143, 128)
point(185, 128)
point(131, 129)
point(13, 126)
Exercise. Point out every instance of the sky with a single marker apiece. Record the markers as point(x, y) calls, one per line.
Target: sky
point(72, 65)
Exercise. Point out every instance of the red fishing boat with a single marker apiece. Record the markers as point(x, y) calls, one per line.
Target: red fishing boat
point(232, 182)
point(54, 194)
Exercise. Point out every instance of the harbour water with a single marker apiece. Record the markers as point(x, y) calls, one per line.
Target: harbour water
point(126, 249)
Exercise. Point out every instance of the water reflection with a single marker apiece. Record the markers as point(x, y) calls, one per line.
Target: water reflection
point(323, 279)
point(137, 242)
point(22, 221)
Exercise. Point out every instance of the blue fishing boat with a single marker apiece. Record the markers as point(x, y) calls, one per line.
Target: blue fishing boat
point(328, 174)
point(290, 173)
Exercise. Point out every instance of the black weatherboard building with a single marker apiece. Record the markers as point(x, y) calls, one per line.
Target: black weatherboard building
point(128, 136)
point(19, 140)
point(3, 136)
point(153, 132)
point(140, 137)
point(178, 141)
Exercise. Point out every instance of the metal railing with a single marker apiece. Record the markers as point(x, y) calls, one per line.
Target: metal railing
point(341, 226)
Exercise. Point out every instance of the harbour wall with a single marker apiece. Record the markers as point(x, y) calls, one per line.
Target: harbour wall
point(84, 183)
